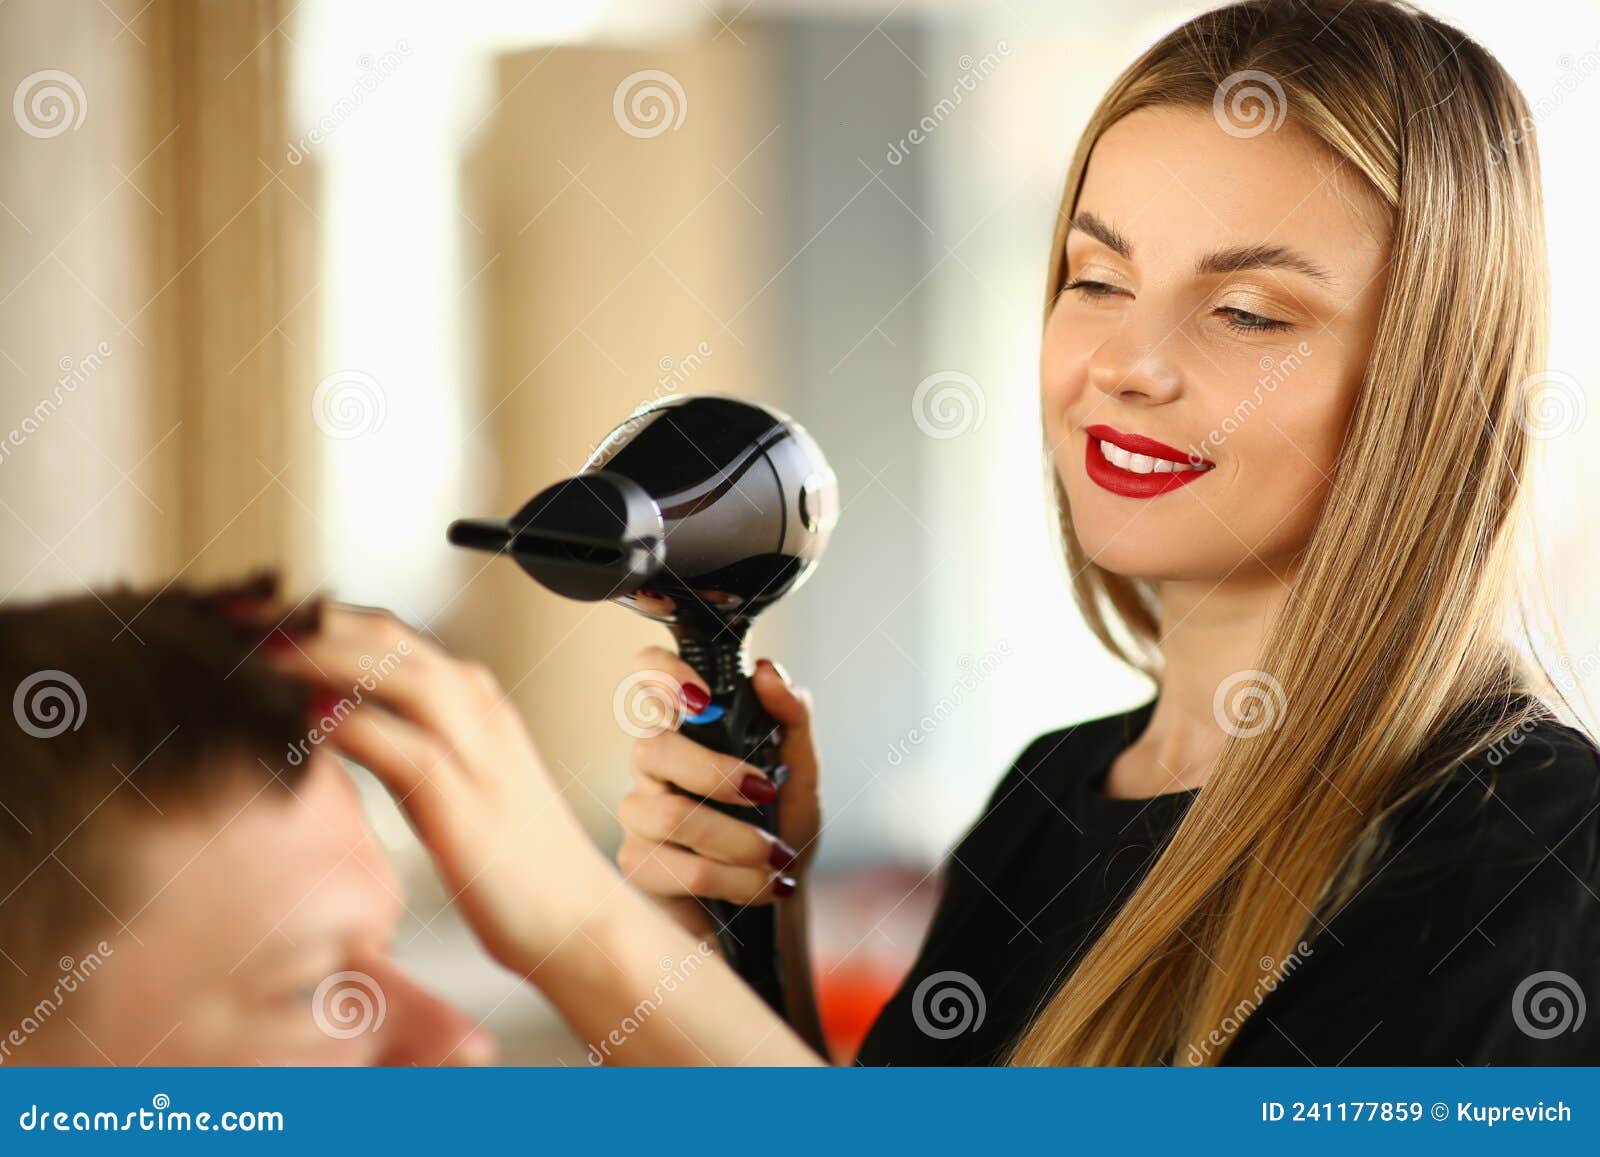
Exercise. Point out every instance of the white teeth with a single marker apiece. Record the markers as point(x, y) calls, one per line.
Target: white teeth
point(1142, 463)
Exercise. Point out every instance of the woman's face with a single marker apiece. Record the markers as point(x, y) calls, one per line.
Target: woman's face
point(1221, 297)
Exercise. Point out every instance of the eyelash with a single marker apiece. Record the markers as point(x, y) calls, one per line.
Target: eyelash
point(1259, 324)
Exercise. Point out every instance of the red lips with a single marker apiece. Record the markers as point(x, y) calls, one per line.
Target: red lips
point(1110, 476)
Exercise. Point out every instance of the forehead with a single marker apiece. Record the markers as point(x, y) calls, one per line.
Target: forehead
point(260, 867)
point(1176, 184)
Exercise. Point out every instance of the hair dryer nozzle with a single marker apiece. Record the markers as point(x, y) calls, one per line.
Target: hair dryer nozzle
point(490, 534)
point(592, 537)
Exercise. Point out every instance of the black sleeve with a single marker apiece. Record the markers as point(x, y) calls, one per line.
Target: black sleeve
point(976, 865)
point(1475, 941)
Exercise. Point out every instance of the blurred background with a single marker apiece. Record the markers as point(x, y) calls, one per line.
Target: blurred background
point(298, 283)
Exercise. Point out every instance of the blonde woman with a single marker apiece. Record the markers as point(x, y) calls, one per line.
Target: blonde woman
point(1296, 296)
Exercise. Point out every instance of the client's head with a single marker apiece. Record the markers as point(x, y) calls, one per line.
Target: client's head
point(173, 889)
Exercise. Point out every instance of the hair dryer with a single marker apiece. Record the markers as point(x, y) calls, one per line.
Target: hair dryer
point(698, 511)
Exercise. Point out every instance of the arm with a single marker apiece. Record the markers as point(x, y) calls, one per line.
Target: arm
point(441, 737)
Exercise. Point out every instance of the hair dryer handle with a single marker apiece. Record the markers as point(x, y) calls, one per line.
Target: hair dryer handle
point(736, 724)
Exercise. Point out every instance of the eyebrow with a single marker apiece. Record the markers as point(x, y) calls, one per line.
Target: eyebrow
point(1222, 261)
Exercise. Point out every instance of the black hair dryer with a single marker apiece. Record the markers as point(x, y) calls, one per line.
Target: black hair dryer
point(698, 511)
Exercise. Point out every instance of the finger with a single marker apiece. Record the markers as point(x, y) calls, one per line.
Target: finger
point(675, 676)
point(663, 870)
point(790, 706)
point(411, 763)
point(677, 819)
point(782, 700)
point(372, 657)
point(675, 759)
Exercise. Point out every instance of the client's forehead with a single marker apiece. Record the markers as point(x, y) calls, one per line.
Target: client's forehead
point(260, 873)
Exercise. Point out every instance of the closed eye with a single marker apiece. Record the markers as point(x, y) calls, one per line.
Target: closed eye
point(1246, 322)
point(1239, 320)
point(1091, 288)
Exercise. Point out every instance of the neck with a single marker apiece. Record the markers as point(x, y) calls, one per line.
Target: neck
point(1212, 639)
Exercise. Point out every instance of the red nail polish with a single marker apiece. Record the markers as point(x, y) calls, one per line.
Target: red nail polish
point(784, 886)
point(781, 855)
point(758, 789)
point(695, 696)
point(325, 707)
point(277, 643)
point(244, 609)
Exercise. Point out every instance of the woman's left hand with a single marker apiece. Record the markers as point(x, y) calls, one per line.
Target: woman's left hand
point(440, 734)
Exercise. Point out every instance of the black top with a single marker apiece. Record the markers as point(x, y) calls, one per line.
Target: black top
point(1476, 940)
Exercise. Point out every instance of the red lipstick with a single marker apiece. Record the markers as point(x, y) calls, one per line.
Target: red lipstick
point(1128, 483)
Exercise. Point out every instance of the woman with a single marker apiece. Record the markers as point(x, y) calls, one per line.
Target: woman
point(1300, 258)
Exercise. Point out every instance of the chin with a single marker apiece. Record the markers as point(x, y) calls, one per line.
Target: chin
point(1149, 548)
point(1135, 561)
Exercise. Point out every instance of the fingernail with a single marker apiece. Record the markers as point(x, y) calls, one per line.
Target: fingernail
point(784, 886)
point(758, 789)
point(325, 707)
point(696, 696)
point(244, 609)
point(777, 667)
point(781, 855)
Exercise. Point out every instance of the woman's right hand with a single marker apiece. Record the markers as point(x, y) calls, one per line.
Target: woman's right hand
point(676, 850)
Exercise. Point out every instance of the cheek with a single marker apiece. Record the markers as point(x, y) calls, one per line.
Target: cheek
point(1061, 374)
point(1283, 459)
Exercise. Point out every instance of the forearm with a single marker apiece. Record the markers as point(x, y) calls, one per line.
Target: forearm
point(639, 990)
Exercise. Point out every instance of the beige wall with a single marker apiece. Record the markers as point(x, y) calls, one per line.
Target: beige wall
point(153, 259)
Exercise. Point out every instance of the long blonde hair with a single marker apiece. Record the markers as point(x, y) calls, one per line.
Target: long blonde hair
point(1392, 651)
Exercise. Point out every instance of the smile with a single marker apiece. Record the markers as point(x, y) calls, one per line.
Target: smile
point(1135, 466)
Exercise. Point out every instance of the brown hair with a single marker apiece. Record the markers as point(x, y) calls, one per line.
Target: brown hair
point(126, 705)
point(1391, 653)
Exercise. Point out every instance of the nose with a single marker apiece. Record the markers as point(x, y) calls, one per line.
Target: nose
point(1132, 363)
point(424, 1029)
